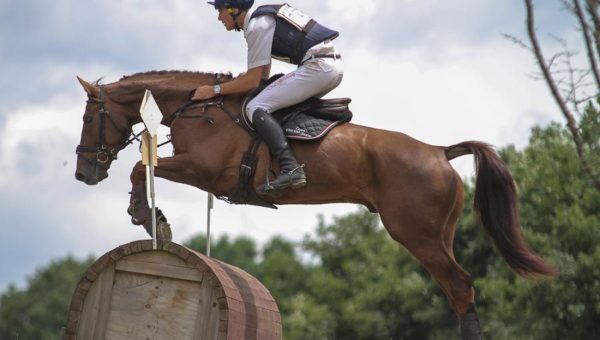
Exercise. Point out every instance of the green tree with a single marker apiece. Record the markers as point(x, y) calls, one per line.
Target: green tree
point(241, 252)
point(373, 286)
point(40, 310)
point(282, 271)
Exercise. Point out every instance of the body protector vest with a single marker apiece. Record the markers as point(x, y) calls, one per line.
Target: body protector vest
point(295, 32)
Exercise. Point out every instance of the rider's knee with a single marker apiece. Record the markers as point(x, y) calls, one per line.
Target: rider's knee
point(251, 109)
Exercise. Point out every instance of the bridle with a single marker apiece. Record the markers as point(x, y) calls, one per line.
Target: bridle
point(103, 151)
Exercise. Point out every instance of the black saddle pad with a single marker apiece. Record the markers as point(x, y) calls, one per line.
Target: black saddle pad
point(311, 121)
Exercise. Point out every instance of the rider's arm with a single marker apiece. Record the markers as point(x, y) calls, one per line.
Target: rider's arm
point(247, 81)
point(244, 83)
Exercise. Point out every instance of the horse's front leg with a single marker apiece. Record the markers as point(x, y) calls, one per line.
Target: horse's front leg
point(139, 208)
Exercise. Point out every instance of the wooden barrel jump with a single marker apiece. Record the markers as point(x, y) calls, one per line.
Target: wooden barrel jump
point(135, 292)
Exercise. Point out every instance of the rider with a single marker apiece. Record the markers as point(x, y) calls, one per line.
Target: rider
point(285, 33)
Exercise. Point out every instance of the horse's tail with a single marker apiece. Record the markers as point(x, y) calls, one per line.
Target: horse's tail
point(496, 205)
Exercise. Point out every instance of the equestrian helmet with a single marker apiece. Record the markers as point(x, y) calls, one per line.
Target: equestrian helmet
point(241, 4)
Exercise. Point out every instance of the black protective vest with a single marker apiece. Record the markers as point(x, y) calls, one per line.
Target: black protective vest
point(290, 43)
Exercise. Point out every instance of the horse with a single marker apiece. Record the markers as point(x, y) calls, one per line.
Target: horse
point(411, 184)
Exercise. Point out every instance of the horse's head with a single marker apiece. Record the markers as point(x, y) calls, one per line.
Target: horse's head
point(105, 132)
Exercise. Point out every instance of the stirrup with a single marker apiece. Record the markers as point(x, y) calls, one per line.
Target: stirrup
point(268, 188)
point(291, 172)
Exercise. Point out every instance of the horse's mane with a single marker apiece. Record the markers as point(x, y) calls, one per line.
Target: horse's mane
point(185, 74)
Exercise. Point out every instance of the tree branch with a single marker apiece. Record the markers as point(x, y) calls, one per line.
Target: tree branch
point(588, 41)
point(592, 9)
point(571, 122)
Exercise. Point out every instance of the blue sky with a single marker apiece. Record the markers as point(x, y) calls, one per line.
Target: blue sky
point(437, 70)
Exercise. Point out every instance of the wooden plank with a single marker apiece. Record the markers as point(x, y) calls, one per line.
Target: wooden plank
point(106, 281)
point(152, 307)
point(207, 319)
point(97, 306)
point(159, 269)
point(159, 256)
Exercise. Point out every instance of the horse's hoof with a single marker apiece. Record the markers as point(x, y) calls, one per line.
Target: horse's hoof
point(163, 232)
point(469, 325)
point(163, 229)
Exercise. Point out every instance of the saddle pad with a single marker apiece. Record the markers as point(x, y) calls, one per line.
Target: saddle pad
point(301, 126)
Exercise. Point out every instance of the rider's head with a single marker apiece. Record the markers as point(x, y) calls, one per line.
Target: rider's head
point(230, 11)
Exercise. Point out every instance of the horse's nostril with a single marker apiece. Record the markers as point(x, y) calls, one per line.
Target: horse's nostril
point(79, 176)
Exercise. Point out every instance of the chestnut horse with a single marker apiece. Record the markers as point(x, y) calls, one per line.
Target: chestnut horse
point(412, 185)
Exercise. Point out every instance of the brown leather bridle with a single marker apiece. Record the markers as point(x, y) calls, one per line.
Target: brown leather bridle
point(103, 151)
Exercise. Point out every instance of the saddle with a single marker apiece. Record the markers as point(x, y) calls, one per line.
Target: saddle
point(309, 120)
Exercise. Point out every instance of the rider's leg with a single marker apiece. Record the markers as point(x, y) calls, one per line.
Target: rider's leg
point(315, 78)
point(291, 173)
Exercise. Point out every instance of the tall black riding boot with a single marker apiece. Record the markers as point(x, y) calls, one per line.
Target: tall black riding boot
point(291, 174)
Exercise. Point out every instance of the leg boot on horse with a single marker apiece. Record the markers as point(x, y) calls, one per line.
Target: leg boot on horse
point(141, 214)
point(291, 174)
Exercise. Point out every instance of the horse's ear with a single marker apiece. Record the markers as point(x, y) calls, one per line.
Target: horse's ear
point(90, 89)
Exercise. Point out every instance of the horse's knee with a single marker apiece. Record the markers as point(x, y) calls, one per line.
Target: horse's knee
point(137, 173)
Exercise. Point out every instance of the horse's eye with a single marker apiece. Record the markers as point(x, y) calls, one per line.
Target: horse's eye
point(87, 119)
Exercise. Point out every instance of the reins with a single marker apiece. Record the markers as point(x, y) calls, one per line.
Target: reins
point(218, 102)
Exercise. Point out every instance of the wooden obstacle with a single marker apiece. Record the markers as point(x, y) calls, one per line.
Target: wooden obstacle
point(134, 292)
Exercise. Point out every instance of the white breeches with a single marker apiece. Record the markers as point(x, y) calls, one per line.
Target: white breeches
point(315, 78)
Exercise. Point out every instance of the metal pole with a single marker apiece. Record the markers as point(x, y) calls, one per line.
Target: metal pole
point(150, 186)
point(209, 206)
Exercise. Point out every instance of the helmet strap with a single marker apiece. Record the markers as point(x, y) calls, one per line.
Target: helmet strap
point(230, 10)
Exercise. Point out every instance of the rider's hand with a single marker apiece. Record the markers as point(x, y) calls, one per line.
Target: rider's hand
point(204, 92)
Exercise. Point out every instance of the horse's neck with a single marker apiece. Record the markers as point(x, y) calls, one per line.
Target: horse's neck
point(170, 91)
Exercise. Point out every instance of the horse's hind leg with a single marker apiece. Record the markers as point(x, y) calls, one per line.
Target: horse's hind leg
point(428, 235)
point(469, 322)
point(455, 282)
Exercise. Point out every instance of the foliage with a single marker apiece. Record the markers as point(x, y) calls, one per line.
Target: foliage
point(590, 134)
point(40, 311)
point(241, 252)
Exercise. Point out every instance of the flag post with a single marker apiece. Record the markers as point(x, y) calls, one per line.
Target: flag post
point(209, 206)
point(151, 117)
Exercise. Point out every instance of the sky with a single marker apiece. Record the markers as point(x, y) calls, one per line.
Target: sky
point(440, 71)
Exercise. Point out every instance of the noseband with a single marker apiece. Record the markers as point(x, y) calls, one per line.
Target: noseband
point(103, 151)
